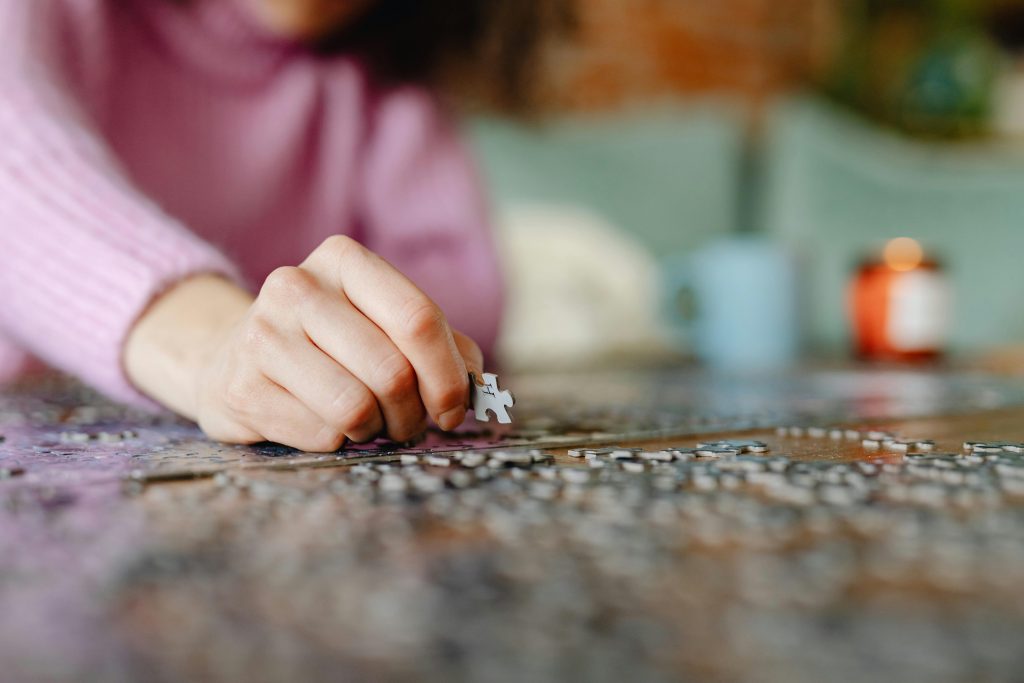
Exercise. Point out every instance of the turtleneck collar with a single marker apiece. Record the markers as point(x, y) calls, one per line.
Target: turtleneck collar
point(220, 37)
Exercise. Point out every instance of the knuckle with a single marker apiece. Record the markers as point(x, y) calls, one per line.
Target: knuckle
point(287, 284)
point(238, 396)
point(258, 333)
point(353, 410)
point(327, 440)
point(453, 394)
point(226, 431)
point(365, 433)
point(423, 319)
point(362, 414)
point(409, 431)
point(397, 378)
point(341, 247)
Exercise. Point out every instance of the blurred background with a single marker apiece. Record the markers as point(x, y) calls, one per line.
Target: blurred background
point(719, 179)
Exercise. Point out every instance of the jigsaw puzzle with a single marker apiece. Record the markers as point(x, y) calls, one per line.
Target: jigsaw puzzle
point(463, 553)
point(488, 398)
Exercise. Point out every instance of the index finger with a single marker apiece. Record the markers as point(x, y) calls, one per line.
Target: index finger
point(406, 315)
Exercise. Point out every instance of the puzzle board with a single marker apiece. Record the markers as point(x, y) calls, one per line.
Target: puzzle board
point(821, 542)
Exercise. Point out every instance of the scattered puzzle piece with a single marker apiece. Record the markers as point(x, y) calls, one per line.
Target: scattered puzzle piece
point(909, 445)
point(993, 447)
point(487, 397)
point(817, 432)
point(714, 451)
point(741, 446)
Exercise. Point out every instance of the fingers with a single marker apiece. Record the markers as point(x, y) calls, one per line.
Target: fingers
point(326, 389)
point(382, 333)
point(256, 410)
point(275, 383)
point(342, 332)
point(284, 419)
point(412, 322)
point(471, 353)
point(220, 427)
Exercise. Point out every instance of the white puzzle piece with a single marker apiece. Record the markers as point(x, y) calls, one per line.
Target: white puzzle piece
point(487, 397)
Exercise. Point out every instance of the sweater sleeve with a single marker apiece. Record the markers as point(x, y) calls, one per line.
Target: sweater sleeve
point(84, 252)
point(424, 211)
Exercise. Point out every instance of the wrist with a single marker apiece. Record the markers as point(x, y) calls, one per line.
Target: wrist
point(173, 341)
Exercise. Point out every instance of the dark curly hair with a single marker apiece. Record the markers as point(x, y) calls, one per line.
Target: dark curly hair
point(488, 47)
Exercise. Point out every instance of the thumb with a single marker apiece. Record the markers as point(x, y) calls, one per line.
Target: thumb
point(471, 354)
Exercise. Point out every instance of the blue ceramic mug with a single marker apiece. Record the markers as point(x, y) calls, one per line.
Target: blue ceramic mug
point(735, 302)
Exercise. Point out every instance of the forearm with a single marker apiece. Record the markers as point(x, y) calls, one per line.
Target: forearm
point(175, 337)
point(85, 251)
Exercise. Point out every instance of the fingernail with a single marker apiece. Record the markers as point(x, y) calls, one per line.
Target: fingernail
point(452, 419)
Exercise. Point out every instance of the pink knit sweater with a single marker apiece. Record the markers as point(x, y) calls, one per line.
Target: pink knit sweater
point(142, 141)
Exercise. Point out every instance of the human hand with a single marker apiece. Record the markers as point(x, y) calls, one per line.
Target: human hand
point(341, 347)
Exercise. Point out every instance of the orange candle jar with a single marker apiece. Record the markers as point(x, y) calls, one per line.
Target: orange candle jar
point(901, 305)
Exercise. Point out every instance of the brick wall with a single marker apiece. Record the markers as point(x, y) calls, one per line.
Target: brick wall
point(635, 50)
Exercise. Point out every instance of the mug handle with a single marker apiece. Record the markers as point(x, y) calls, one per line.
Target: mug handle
point(680, 306)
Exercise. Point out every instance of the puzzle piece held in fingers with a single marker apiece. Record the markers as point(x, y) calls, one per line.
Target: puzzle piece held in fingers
point(487, 397)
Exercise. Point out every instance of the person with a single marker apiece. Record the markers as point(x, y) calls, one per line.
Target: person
point(162, 160)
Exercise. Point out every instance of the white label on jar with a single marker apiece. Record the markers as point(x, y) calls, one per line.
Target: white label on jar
point(920, 307)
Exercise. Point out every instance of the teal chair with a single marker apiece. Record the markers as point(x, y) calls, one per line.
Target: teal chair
point(837, 187)
point(667, 175)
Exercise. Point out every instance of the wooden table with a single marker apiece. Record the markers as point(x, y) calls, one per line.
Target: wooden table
point(819, 560)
